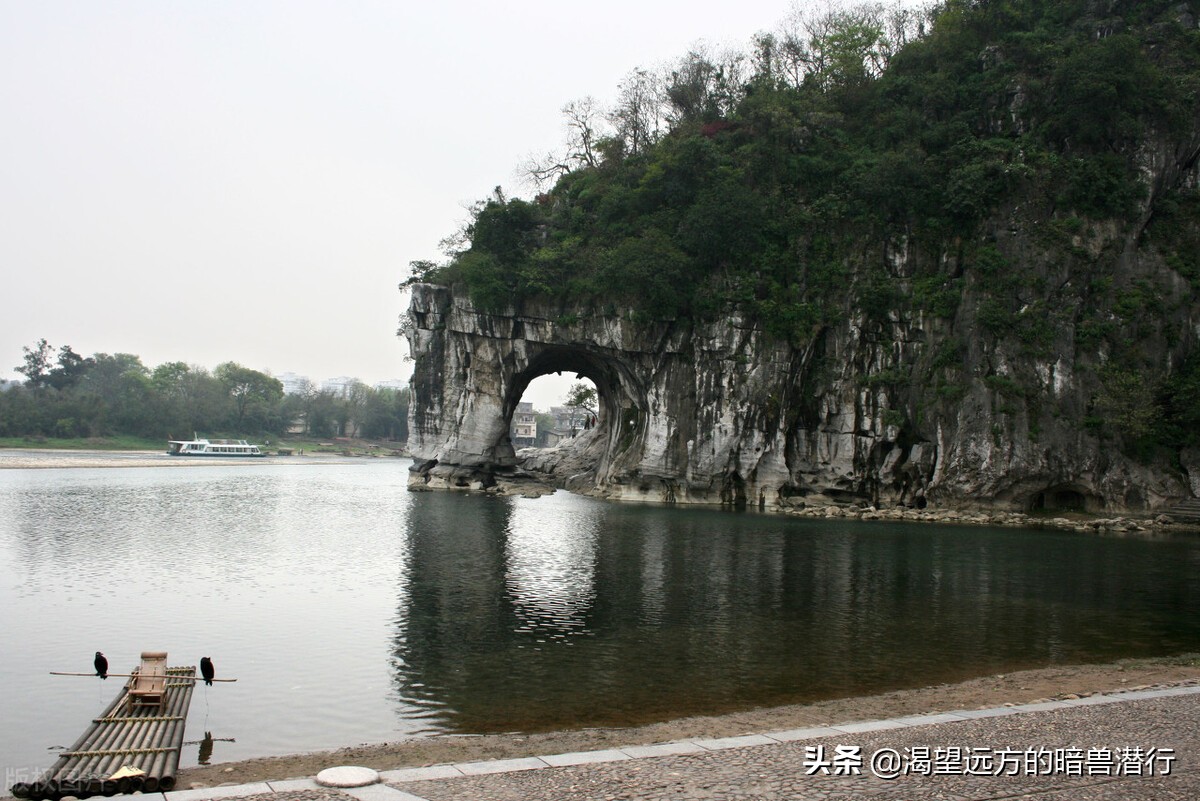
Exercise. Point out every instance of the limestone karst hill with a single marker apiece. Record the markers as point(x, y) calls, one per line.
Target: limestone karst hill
point(967, 277)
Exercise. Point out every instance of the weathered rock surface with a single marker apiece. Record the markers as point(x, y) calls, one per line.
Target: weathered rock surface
point(720, 413)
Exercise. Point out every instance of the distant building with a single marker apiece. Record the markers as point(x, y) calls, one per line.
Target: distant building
point(554, 437)
point(294, 384)
point(569, 419)
point(523, 431)
point(339, 386)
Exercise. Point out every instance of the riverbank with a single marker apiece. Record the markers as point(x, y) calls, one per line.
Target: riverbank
point(39, 459)
point(570, 467)
point(537, 483)
point(1080, 522)
point(1026, 686)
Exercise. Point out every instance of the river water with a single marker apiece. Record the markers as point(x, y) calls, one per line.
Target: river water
point(352, 611)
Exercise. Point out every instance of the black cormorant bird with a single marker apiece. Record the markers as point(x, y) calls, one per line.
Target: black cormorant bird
point(101, 665)
point(206, 670)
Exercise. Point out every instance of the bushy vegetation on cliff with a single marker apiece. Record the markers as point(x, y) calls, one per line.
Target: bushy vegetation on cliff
point(758, 179)
point(866, 162)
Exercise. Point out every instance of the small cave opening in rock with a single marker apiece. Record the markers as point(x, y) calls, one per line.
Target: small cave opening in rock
point(1059, 499)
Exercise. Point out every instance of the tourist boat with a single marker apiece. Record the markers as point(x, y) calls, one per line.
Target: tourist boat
point(216, 447)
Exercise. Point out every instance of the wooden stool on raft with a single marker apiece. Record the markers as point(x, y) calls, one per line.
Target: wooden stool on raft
point(148, 684)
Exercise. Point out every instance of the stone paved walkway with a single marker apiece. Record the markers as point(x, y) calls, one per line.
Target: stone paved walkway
point(1136, 745)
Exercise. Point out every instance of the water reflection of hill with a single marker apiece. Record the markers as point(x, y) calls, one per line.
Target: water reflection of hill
point(565, 611)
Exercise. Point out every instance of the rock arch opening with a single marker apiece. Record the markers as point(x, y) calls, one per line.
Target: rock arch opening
point(554, 408)
point(613, 424)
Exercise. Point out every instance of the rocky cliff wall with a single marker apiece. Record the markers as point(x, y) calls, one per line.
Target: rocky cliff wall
point(866, 412)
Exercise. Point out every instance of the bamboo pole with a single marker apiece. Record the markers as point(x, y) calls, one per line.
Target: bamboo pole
point(116, 734)
point(174, 737)
point(158, 766)
point(168, 763)
point(157, 763)
point(126, 736)
point(68, 763)
point(154, 769)
point(42, 788)
point(90, 764)
point(119, 728)
point(94, 765)
point(140, 738)
point(113, 731)
point(151, 739)
point(168, 717)
point(156, 739)
point(71, 782)
point(132, 675)
point(102, 729)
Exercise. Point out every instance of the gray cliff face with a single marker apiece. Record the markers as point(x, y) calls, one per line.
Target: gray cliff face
point(720, 413)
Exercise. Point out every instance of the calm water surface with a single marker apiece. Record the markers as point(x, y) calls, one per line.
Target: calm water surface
point(352, 611)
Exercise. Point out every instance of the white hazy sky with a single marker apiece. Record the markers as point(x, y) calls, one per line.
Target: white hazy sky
point(247, 181)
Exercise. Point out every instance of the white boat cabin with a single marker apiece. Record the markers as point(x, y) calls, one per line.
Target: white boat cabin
point(217, 447)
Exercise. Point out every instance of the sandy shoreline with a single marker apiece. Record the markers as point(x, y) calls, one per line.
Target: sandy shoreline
point(1011, 688)
point(42, 459)
point(37, 459)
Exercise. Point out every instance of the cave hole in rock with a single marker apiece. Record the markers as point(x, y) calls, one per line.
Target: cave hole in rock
point(1061, 499)
point(560, 396)
point(591, 435)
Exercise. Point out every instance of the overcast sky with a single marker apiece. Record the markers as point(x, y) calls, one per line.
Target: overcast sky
point(247, 181)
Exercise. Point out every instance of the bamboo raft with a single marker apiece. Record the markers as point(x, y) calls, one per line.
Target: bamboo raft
point(130, 733)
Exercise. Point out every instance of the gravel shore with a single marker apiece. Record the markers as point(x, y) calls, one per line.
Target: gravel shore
point(1012, 688)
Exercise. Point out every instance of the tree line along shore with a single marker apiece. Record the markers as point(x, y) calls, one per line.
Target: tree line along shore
point(114, 401)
